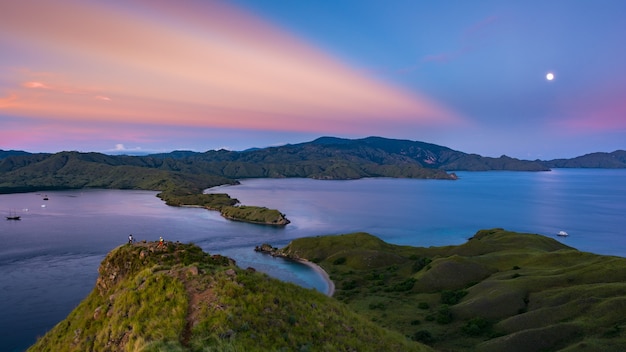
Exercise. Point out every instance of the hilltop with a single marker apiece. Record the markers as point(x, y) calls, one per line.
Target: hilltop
point(499, 291)
point(323, 158)
point(182, 176)
point(179, 298)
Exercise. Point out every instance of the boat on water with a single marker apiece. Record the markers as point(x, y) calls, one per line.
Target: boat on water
point(13, 216)
point(562, 234)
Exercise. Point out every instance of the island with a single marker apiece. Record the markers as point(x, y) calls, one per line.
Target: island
point(499, 291)
point(227, 207)
point(181, 176)
point(178, 298)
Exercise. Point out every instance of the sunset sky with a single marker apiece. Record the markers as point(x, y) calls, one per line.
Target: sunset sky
point(156, 75)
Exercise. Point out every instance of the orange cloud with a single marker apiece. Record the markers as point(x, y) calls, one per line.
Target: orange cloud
point(35, 85)
point(191, 63)
point(8, 102)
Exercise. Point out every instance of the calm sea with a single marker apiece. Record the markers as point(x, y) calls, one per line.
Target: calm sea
point(49, 259)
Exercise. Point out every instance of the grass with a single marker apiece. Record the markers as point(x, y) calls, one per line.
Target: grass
point(226, 206)
point(254, 214)
point(499, 290)
point(182, 299)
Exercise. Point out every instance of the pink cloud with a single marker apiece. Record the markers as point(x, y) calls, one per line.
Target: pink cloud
point(8, 101)
point(610, 117)
point(35, 85)
point(602, 109)
point(197, 64)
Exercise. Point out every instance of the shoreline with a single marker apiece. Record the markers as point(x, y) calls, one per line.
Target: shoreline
point(318, 269)
point(268, 249)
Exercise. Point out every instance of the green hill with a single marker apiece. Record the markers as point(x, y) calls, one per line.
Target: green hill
point(500, 291)
point(614, 160)
point(323, 158)
point(179, 298)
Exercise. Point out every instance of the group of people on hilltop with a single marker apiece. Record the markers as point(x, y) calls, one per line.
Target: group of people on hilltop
point(161, 244)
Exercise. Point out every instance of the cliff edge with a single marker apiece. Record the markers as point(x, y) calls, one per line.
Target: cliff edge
point(179, 298)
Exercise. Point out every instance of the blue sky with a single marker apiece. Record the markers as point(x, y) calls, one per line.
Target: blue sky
point(158, 76)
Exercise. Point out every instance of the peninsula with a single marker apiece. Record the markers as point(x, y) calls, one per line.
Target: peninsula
point(179, 298)
point(181, 176)
point(500, 291)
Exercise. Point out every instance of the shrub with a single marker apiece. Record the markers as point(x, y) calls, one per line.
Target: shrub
point(476, 326)
point(423, 336)
point(423, 305)
point(444, 315)
point(420, 263)
point(450, 297)
point(348, 285)
point(405, 285)
point(374, 276)
point(613, 332)
point(339, 261)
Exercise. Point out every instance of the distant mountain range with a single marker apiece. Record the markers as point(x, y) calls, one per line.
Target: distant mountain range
point(323, 158)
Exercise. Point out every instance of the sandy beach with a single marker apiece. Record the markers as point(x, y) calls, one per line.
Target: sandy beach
point(323, 273)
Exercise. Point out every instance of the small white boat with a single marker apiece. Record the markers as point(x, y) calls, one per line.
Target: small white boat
point(562, 234)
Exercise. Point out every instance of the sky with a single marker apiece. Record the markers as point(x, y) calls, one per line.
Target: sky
point(140, 76)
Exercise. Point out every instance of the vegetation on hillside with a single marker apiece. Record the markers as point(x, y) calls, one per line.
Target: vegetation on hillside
point(73, 170)
point(500, 291)
point(227, 207)
point(179, 298)
point(614, 160)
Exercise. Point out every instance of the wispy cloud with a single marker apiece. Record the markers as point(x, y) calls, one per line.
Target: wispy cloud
point(8, 101)
point(469, 40)
point(194, 64)
point(35, 85)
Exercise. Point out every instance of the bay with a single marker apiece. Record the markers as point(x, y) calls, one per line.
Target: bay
point(49, 259)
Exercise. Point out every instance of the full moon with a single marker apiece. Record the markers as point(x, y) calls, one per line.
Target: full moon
point(550, 76)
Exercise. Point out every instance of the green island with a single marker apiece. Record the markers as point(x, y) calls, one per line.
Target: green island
point(499, 291)
point(181, 176)
point(179, 298)
point(226, 205)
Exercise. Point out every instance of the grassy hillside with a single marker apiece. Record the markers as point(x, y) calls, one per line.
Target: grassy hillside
point(73, 170)
point(500, 291)
point(179, 298)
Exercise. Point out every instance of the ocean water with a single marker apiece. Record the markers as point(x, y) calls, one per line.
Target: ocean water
point(49, 259)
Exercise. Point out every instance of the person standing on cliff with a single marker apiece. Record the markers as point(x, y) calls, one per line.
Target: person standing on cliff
point(161, 244)
point(130, 239)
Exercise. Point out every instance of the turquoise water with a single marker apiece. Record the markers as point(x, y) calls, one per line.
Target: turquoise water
point(49, 259)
